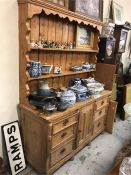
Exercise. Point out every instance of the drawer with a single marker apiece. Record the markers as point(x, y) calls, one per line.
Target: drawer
point(99, 124)
point(63, 135)
point(100, 103)
point(66, 122)
point(101, 112)
point(62, 152)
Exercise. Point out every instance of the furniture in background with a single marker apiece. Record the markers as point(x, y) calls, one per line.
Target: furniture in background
point(50, 140)
point(123, 153)
point(123, 97)
point(120, 33)
point(106, 50)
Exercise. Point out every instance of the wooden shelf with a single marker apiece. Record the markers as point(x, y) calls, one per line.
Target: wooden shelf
point(65, 50)
point(65, 73)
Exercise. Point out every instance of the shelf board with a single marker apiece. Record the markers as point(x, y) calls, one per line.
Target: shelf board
point(65, 73)
point(65, 50)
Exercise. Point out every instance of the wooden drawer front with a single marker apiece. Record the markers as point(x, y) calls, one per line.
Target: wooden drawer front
point(100, 112)
point(99, 104)
point(99, 124)
point(63, 135)
point(66, 122)
point(61, 152)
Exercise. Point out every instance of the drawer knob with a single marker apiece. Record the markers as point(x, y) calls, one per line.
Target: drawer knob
point(65, 122)
point(99, 124)
point(63, 135)
point(62, 151)
point(102, 102)
point(100, 112)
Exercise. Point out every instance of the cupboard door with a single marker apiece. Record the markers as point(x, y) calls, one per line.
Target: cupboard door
point(111, 116)
point(85, 124)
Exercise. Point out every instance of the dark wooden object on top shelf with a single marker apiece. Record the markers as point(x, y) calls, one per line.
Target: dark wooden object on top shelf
point(106, 50)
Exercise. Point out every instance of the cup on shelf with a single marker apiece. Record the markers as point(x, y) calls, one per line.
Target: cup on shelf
point(34, 68)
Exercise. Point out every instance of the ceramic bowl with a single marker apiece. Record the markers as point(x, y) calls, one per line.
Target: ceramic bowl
point(68, 98)
point(76, 68)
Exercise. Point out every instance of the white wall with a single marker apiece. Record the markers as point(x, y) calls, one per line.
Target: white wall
point(9, 58)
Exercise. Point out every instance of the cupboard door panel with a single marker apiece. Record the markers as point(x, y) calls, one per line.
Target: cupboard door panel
point(85, 124)
point(111, 116)
point(81, 128)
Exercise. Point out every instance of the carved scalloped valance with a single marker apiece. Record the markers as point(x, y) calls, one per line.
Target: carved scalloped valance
point(37, 6)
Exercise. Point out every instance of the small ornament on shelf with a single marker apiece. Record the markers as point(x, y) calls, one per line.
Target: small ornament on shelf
point(71, 45)
point(84, 66)
point(87, 66)
point(46, 69)
point(33, 44)
point(52, 44)
point(76, 68)
point(57, 70)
